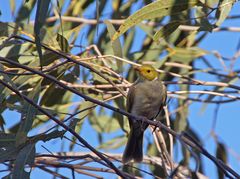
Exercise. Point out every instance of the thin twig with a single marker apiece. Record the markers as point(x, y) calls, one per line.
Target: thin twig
point(110, 164)
point(121, 21)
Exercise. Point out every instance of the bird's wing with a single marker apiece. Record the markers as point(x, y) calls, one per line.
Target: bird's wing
point(130, 97)
point(164, 98)
point(164, 95)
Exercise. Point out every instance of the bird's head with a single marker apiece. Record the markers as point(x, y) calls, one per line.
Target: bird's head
point(147, 72)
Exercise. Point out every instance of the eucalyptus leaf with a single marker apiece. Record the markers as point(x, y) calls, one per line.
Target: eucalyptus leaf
point(116, 45)
point(41, 15)
point(221, 154)
point(6, 29)
point(104, 124)
point(25, 157)
point(25, 10)
point(153, 10)
point(63, 43)
point(186, 55)
point(223, 10)
point(166, 30)
point(8, 153)
point(28, 117)
point(114, 143)
point(46, 137)
point(7, 140)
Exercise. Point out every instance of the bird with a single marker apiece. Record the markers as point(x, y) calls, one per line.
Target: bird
point(146, 98)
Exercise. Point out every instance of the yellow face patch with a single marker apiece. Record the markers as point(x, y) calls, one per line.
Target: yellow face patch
point(148, 72)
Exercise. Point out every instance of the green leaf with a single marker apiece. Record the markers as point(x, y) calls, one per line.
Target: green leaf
point(25, 10)
point(120, 118)
point(12, 6)
point(2, 122)
point(8, 152)
point(73, 123)
point(223, 10)
point(157, 170)
point(128, 42)
point(221, 154)
point(155, 9)
point(63, 43)
point(7, 139)
point(203, 22)
point(104, 123)
point(41, 15)
point(166, 30)
point(86, 108)
point(186, 55)
point(181, 120)
point(72, 34)
point(25, 157)
point(46, 137)
point(28, 117)
point(145, 27)
point(114, 143)
point(13, 51)
point(116, 44)
point(5, 91)
point(21, 109)
point(53, 95)
point(5, 30)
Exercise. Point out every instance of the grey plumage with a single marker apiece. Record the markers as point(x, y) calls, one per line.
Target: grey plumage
point(145, 98)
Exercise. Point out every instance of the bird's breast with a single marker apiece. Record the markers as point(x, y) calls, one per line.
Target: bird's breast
point(147, 99)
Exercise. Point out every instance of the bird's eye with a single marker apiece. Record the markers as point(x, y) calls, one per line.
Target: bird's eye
point(148, 71)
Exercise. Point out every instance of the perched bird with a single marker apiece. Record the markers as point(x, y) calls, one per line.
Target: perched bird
point(146, 97)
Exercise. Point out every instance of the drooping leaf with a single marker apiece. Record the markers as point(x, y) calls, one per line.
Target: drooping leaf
point(157, 170)
point(25, 157)
point(54, 95)
point(166, 30)
point(12, 6)
point(114, 143)
point(116, 45)
point(5, 91)
point(6, 29)
point(7, 139)
point(2, 122)
point(73, 123)
point(104, 123)
point(72, 34)
point(128, 42)
point(41, 15)
point(223, 10)
point(202, 20)
point(13, 52)
point(46, 137)
point(221, 154)
point(8, 152)
point(25, 10)
point(186, 55)
point(63, 43)
point(155, 9)
point(28, 117)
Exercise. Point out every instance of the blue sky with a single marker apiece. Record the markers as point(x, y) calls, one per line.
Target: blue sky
point(228, 122)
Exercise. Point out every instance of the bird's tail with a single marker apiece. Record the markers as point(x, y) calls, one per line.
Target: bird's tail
point(134, 147)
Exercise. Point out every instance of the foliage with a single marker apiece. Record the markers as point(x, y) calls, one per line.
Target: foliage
point(73, 61)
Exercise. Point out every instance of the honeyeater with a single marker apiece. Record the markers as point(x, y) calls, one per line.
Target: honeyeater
point(146, 97)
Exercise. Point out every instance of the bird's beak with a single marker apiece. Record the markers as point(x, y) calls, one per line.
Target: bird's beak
point(137, 68)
